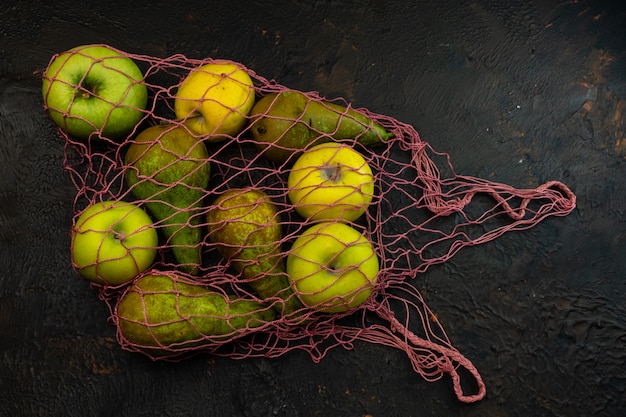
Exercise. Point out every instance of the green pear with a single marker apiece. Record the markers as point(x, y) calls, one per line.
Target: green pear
point(169, 170)
point(245, 226)
point(284, 124)
point(160, 313)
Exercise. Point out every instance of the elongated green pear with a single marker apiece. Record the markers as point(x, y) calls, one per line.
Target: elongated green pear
point(169, 170)
point(159, 313)
point(285, 123)
point(245, 226)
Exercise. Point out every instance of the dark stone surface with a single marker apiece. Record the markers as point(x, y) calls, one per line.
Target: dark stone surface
point(518, 92)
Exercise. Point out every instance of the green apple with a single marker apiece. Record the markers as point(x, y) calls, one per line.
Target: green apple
point(112, 242)
point(332, 267)
point(215, 99)
point(94, 89)
point(331, 181)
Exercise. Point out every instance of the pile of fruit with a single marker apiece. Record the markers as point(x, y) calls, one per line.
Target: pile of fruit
point(156, 231)
point(219, 211)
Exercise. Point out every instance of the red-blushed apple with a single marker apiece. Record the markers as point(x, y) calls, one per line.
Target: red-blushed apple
point(94, 89)
point(113, 242)
point(331, 181)
point(332, 267)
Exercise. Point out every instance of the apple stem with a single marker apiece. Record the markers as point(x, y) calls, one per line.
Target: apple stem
point(87, 89)
point(335, 268)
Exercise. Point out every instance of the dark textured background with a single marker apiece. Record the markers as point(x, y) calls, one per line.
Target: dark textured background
point(520, 92)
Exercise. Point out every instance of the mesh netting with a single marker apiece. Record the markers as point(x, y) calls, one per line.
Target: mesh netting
point(421, 214)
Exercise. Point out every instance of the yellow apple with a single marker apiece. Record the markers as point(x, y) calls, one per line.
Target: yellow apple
point(331, 181)
point(112, 242)
point(215, 99)
point(332, 267)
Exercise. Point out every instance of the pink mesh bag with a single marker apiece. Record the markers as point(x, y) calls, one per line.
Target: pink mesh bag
point(421, 214)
